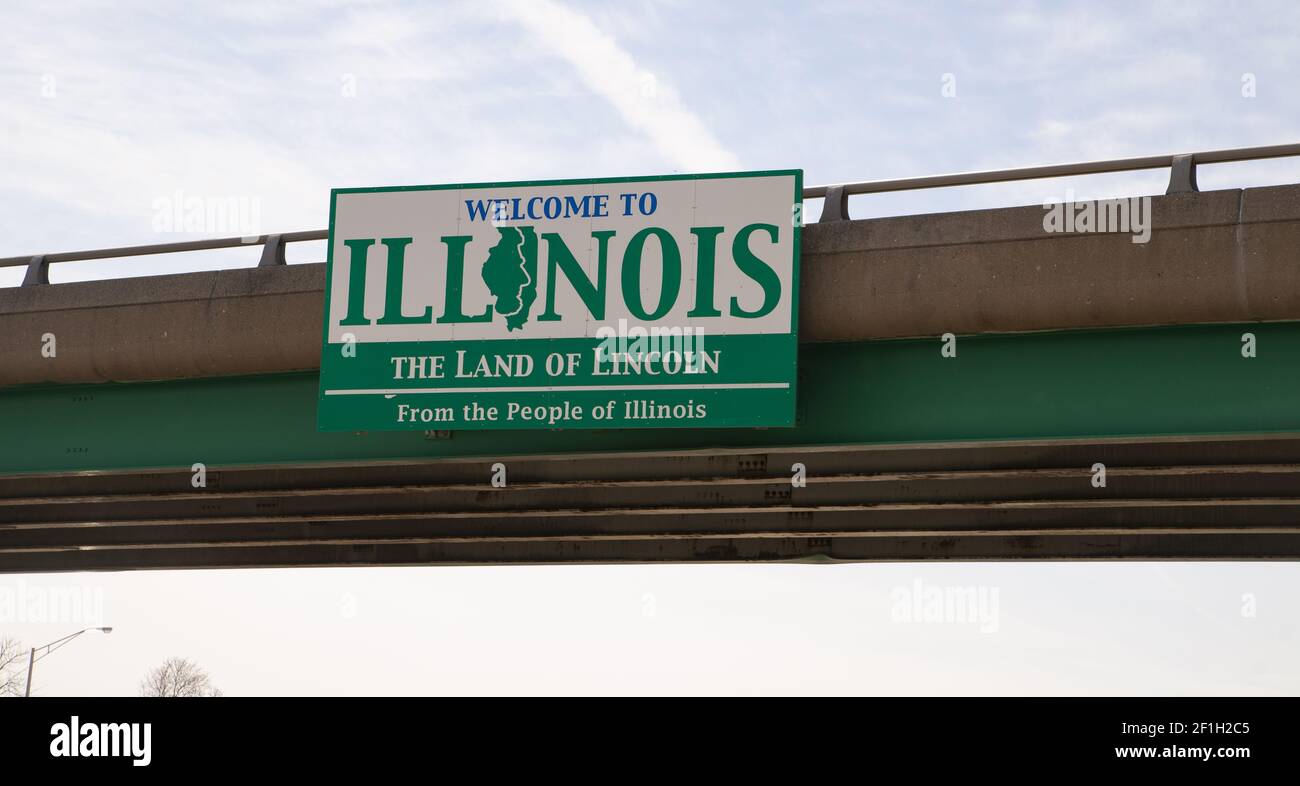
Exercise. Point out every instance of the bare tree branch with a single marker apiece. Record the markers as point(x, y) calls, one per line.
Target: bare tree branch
point(13, 667)
point(178, 677)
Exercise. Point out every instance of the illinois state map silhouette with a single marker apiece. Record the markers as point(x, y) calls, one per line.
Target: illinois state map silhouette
point(510, 274)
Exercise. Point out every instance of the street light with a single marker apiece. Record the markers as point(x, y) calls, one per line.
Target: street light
point(49, 648)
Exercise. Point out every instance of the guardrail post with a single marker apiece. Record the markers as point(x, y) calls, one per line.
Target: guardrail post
point(272, 251)
point(38, 272)
point(1182, 175)
point(836, 205)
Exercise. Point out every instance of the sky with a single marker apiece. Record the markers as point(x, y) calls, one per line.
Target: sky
point(115, 114)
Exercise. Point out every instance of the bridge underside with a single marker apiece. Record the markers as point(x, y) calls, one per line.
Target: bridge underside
point(1168, 498)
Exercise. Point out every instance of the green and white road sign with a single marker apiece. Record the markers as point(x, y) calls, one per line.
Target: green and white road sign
point(656, 302)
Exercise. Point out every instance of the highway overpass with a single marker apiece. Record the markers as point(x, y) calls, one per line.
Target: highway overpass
point(1073, 349)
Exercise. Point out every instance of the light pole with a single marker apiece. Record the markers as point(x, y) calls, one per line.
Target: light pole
point(49, 648)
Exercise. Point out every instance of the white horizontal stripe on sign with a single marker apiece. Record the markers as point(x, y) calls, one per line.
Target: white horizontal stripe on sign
point(409, 391)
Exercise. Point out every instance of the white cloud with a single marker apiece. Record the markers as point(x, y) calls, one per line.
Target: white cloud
point(644, 99)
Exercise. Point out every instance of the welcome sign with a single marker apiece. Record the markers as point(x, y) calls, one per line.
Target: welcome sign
point(661, 302)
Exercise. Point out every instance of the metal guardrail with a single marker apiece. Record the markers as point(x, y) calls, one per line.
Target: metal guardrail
point(1182, 179)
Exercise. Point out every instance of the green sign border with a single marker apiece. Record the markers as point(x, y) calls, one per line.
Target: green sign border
point(797, 262)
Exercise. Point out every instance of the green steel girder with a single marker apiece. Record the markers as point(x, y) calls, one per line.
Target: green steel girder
point(1184, 380)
